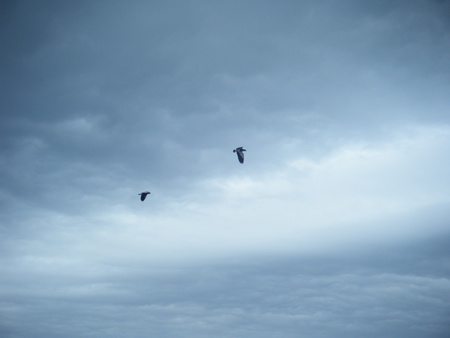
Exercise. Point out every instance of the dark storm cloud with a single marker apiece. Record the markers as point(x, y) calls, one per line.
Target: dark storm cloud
point(125, 66)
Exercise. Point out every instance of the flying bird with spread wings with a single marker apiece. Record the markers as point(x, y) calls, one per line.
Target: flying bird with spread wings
point(240, 153)
point(144, 195)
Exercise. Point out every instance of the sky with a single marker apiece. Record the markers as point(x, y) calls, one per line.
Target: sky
point(336, 225)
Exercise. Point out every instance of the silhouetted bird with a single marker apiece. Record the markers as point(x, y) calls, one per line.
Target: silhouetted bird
point(144, 195)
point(240, 153)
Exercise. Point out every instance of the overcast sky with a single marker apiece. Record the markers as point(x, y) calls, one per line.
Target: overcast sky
point(336, 225)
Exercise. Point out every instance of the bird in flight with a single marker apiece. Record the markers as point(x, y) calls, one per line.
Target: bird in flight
point(240, 153)
point(144, 195)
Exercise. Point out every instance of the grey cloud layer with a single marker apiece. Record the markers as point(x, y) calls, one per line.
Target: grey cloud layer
point(369, 295)
point(343, 107)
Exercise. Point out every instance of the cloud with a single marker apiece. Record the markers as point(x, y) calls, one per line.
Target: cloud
point(352, 295)
point(304, 206)
point(335, 225)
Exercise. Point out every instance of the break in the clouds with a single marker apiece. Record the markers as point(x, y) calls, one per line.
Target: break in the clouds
point(335, 225)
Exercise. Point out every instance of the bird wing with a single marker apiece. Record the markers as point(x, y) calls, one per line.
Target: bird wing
point(240, 155)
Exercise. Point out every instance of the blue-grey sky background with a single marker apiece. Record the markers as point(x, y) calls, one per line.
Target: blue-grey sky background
point(336, 225)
